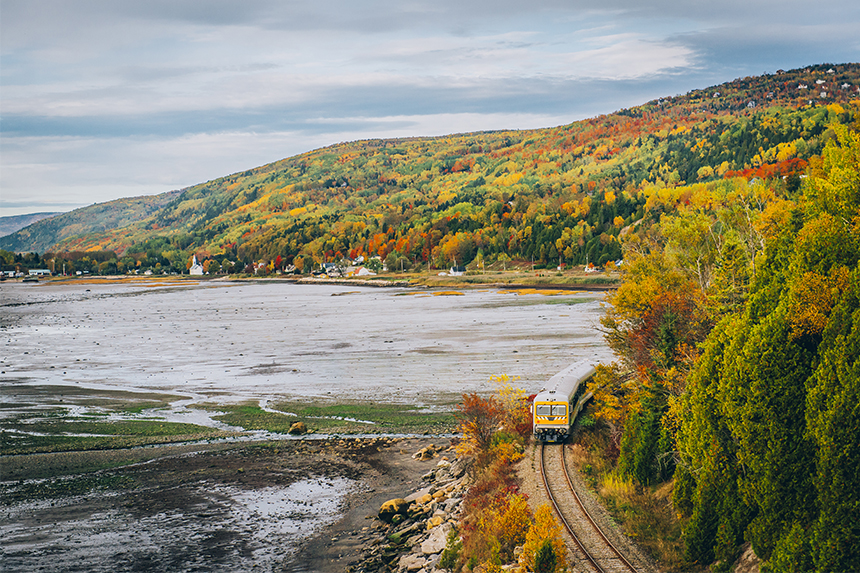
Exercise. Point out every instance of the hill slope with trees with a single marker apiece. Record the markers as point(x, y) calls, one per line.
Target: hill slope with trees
point(109, 216)
point(558, 195)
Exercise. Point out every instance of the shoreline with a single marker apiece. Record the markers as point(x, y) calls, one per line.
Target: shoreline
point(412, 281)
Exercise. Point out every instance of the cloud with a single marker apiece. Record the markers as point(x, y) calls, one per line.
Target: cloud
point(96, 91)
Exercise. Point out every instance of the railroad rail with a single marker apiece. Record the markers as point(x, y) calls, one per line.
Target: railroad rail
point(593, 547)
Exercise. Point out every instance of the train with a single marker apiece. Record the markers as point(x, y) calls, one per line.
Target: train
point(557, 404)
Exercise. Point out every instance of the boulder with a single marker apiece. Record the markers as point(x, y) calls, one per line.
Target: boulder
point(392, 507)
point(425, 454)
point(418, 495)
point(411, 562)
point(298, 428)
point(437, 540)
point(434, 521)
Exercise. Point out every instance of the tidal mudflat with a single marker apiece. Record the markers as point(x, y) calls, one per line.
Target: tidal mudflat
point(131, 370)
point(165, 347)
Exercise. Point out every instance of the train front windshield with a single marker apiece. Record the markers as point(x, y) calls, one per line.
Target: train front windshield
point(551, 409)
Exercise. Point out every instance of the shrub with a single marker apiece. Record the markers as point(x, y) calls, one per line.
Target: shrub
point(544, 530)
point(545, 559)
point(451, 553)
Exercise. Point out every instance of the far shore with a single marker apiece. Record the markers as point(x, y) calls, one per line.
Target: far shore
point(539, 279)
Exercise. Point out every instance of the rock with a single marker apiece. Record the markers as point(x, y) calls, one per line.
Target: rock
point(425, 454)
point(437, 541)
point(434, 521)
point(392, 507)
point(458, 467)
point(425, 499)
point(418, 495)
point(411, 562)
point(748, 562)
point(298, 428)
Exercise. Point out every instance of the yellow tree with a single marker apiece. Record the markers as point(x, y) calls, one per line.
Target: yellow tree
point(544, 527)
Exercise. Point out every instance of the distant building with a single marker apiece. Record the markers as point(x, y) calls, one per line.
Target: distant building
point(39, 272)
point(196, 268)
point(457, 271)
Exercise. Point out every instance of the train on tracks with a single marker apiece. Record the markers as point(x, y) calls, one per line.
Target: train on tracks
point(557, 404)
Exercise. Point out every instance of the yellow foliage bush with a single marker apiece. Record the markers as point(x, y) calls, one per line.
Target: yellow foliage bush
point(544, 527)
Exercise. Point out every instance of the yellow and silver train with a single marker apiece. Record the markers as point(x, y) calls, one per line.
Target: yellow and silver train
point(557, 404)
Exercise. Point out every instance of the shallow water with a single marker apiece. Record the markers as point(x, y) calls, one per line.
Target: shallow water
point(230, 342)
point(226, 528)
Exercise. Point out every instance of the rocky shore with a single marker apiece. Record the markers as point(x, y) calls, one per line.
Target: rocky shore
point(411, 533)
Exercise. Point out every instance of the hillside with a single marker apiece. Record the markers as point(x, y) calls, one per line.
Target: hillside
point(9, 225)
point(558, 195)
point(56, 227)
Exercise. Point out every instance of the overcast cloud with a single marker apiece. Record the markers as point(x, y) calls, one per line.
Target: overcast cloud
point(108, 99)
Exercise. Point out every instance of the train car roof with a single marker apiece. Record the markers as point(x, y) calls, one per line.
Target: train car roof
point(564, 383)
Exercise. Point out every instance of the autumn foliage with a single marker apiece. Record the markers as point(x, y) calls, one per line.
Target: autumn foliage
point(736, 329)
point(497, 518)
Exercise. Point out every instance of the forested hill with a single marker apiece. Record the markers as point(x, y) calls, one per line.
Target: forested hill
point(10, 224)
point(558, 195)
point(100, 217)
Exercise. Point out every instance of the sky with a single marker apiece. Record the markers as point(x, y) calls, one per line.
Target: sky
point(107, 99)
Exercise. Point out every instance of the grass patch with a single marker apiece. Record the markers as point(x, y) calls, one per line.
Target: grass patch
point(251, 417)
point(65, 487)
point(338, 418)
point(56, 435)
point(385, 417)
point(113, 400)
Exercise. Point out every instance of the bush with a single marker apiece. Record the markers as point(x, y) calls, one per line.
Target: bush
point(545, 559)
point(451, 553)
point(545, 530)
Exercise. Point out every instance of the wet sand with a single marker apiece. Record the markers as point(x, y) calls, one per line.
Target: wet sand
point(275, 506)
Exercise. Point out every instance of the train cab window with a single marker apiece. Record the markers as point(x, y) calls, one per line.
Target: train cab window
point(559, 410)
point(543, 410)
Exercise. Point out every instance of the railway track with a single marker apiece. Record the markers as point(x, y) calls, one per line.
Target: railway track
point(593, 548)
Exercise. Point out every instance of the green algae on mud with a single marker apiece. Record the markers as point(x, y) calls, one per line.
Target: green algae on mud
point(57, 433)
point(364, 418)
